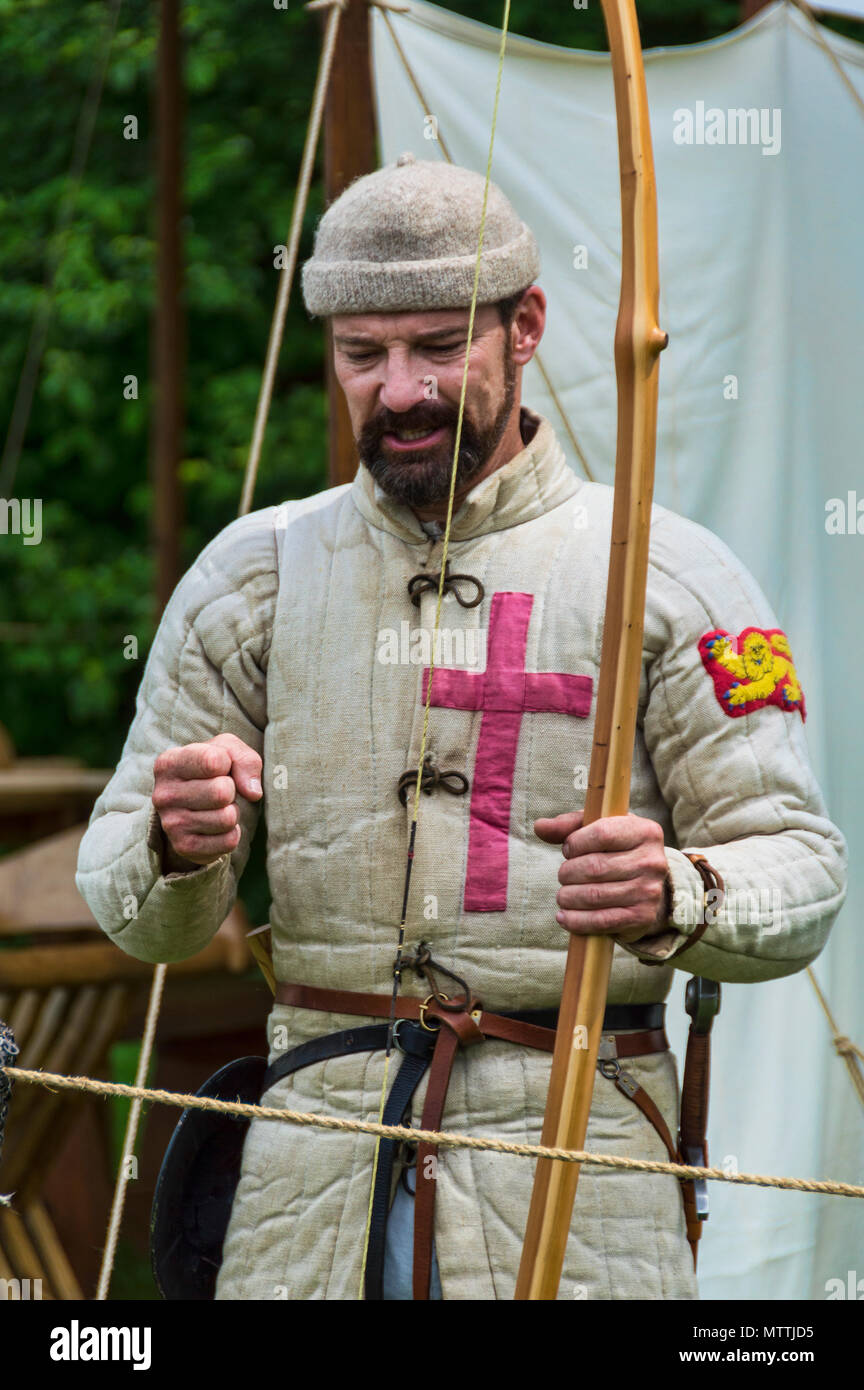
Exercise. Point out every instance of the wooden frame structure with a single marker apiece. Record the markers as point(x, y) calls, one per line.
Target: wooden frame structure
point(350, 149)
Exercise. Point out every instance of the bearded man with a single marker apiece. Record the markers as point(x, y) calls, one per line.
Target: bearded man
point(271, 681)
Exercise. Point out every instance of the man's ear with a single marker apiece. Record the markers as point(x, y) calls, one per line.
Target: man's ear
point(528, 325)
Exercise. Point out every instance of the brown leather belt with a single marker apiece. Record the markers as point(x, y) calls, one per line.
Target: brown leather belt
point(463, 1027)
point(470, 1028)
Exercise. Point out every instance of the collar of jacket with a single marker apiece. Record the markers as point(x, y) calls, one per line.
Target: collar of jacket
point(533, 482)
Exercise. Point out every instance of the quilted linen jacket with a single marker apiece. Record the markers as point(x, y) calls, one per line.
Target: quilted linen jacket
point(294, 630)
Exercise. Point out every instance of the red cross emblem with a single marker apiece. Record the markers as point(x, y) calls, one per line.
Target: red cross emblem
point(505, 692)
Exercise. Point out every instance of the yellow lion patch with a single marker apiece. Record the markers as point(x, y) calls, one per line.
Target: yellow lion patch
point(753, 669)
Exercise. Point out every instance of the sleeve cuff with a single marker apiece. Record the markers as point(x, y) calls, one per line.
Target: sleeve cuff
point(157, 843)
point(687, 913)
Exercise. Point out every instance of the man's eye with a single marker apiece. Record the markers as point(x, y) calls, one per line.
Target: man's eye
point(359, 356)
point(447, 347)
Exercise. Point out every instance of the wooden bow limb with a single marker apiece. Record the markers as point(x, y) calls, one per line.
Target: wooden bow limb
point(638, 344)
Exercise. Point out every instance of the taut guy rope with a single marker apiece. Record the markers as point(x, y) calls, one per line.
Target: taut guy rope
point(443, 1138)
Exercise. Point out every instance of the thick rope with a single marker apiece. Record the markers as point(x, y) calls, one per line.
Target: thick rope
point(286, 277)
point(119, 1200)
point(538, 360)
point(400, 942)
point(443, 1138)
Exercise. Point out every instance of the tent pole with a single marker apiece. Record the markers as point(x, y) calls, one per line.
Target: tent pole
point(168, 336)
point(751, 7)
point(350, 149)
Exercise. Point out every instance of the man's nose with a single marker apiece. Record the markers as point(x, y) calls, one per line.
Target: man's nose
point(402, 387)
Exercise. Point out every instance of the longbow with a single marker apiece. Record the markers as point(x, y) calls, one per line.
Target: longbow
point(638, 344)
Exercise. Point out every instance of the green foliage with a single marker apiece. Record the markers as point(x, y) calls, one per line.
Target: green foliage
point(67, 604)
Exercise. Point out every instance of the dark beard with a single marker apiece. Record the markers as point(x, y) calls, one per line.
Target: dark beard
point(426, 479)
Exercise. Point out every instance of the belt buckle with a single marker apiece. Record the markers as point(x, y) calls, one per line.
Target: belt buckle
point(415, 1043)
point(423, 1007)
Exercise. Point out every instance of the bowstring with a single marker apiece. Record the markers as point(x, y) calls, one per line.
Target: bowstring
point(409, 863)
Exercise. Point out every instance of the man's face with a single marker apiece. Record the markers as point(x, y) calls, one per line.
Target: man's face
point(402, 378)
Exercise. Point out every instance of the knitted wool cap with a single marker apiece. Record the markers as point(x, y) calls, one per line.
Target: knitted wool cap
point(405, 237)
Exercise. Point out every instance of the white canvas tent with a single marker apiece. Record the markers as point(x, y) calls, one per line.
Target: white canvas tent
point(853, 9)
point(761, 422)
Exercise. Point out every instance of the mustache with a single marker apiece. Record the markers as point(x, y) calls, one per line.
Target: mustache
point(429, 416)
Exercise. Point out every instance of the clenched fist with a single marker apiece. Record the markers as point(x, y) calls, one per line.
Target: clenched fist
point(614, 876)
point(195, 794)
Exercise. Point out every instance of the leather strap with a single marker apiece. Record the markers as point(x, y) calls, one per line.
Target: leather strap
point(446, 1046)
point(692, 1140)
point(712, 882)
point(702, 1002)
point(411, 1073)
point(417, 1045)
point(629, 1087)
point(505, 1027)
point(453, 1027)
point(322, 1049)
point(616, 1017)
point(694, 1099)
